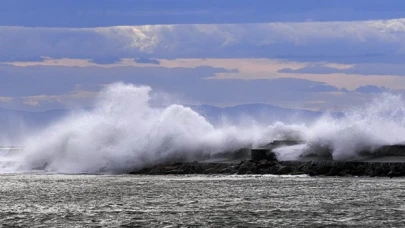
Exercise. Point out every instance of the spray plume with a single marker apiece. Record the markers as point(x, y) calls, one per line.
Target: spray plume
point(125, 132)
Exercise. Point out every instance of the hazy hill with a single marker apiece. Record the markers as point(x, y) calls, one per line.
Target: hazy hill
point(263, 113)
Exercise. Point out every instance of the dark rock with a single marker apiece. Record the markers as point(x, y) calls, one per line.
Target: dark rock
point(263, 164)
point(359, 171)
point(286, 170)
point(381, 170)
point(247, 166)
point(392, 174)
point(306, 168)
point(264, 171)
point(312, 173)
point(334, 171)
point(214, 168)
point(344, 172)
point(209, 171)
point(303, 168)
point(187, 169)
point(274, 169)
point(242, 171)
point(175, 171)
point(228, 170)
point(323, 170)
point(271, 156)
point(240, 163)
point(368, 172)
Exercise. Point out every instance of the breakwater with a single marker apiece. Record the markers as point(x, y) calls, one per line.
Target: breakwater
point(385, 161)
point(312, 168)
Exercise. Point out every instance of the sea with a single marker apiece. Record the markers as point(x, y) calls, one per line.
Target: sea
point(122, 133)
point(81, 200)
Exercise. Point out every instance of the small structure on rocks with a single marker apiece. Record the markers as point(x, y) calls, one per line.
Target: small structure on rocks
point(259, 154)
point(384, 161)
point(266, 152)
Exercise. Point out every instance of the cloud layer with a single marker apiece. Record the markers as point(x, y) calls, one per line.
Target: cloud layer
point(360, 69)
point(361, 41)
point(292, 64)
point(47, 87)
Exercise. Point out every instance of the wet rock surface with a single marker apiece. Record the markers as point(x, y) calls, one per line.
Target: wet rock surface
point(264, 161)
point(377, 169)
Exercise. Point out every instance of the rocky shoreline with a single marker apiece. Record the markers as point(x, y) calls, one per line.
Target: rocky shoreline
point(375, 163)
point(372, 169)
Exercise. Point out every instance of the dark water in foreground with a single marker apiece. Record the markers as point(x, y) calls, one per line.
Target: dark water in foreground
point(30, 200)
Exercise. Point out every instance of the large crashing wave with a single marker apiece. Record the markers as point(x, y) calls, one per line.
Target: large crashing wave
point(363, 128)
point(125, 132)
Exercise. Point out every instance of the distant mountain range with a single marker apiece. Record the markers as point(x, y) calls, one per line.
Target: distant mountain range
point(262, 113)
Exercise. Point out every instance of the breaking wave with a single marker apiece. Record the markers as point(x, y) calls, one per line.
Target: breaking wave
point(125, 132)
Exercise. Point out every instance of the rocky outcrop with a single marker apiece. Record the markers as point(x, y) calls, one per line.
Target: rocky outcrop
point(188, 168)
point(279, 168)
point(264, 161)
point(380, 169)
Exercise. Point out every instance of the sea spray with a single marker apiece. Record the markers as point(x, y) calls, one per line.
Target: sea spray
point(380, 122)
point(124, 132)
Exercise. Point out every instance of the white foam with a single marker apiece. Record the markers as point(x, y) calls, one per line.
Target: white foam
point(124, 132)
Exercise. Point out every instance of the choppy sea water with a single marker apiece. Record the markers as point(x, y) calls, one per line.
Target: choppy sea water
point(54, 200)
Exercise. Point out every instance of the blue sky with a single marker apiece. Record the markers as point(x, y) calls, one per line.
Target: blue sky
point(99, 13)
point(318, 55)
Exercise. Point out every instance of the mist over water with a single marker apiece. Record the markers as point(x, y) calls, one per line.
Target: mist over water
point(125, 132)
point(380, 122)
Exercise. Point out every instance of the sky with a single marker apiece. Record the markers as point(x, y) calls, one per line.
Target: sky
point(314, 55)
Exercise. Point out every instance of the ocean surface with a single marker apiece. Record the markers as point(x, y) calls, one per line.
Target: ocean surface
point(55, 200)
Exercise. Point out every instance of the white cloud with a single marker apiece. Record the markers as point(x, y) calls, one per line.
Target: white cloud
point(378, 39)
point(43, 102)
point(6, 99)
point(316, 39)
